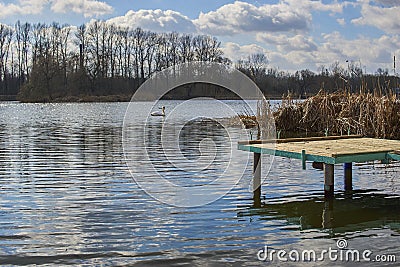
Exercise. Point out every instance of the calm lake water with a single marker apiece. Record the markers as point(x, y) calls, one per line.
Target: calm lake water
point(67, 196)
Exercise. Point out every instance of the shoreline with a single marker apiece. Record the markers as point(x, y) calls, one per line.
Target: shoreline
point(115, 98)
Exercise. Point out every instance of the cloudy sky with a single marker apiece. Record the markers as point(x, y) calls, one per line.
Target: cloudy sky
point(294, 34)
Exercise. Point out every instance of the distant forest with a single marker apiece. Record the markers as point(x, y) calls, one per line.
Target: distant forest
point(42, 63)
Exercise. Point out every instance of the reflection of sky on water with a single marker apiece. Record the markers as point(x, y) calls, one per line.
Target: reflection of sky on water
point(66, 195)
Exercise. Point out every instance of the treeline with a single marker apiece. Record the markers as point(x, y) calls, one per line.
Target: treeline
point(46, 62)
point(42, 62)
point(305, 83)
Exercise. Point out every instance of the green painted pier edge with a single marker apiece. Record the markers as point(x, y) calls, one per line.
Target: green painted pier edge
point(328, 161)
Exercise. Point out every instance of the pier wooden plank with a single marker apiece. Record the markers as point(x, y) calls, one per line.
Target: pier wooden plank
point(330, 151)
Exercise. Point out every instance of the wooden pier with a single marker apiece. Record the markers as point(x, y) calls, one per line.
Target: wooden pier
point(326, 151)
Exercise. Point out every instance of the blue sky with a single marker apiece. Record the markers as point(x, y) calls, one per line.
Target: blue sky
point(294, 34)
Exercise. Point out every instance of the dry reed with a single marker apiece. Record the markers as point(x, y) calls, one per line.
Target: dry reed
point(369, 114)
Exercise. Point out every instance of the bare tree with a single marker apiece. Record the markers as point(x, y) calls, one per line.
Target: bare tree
point(81, 40)
point(6, 34)
point(207, 48)
point(304, 79)
point(186, 48)
point(22, 35)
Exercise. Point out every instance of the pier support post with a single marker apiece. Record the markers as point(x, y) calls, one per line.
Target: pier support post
point(327, 214)
point(348, 176)
point(257, 177)
point(329, 180)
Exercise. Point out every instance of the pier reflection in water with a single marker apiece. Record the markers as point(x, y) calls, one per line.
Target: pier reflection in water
point(347, 212)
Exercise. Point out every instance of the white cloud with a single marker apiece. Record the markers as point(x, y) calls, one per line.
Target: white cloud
point(341, 22)
point(244, 17)
point(285, 16)
point(22, 7)
point(307, 5)
point(379, 52)
point(291, 61)
point(287, 43)
point(388, 2)
point(88, 8)
point(235, 51)
point(333, 47)
point(155, 20)
point(383, 18)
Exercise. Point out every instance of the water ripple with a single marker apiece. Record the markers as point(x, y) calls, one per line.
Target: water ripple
point(67, 197)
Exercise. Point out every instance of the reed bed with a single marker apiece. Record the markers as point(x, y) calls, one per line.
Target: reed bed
point(262, 121)
point(341, 113)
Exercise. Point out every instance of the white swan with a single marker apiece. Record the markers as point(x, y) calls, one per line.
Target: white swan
point(158, 113)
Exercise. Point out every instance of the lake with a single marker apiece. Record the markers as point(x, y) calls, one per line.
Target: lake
point(68, 196)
